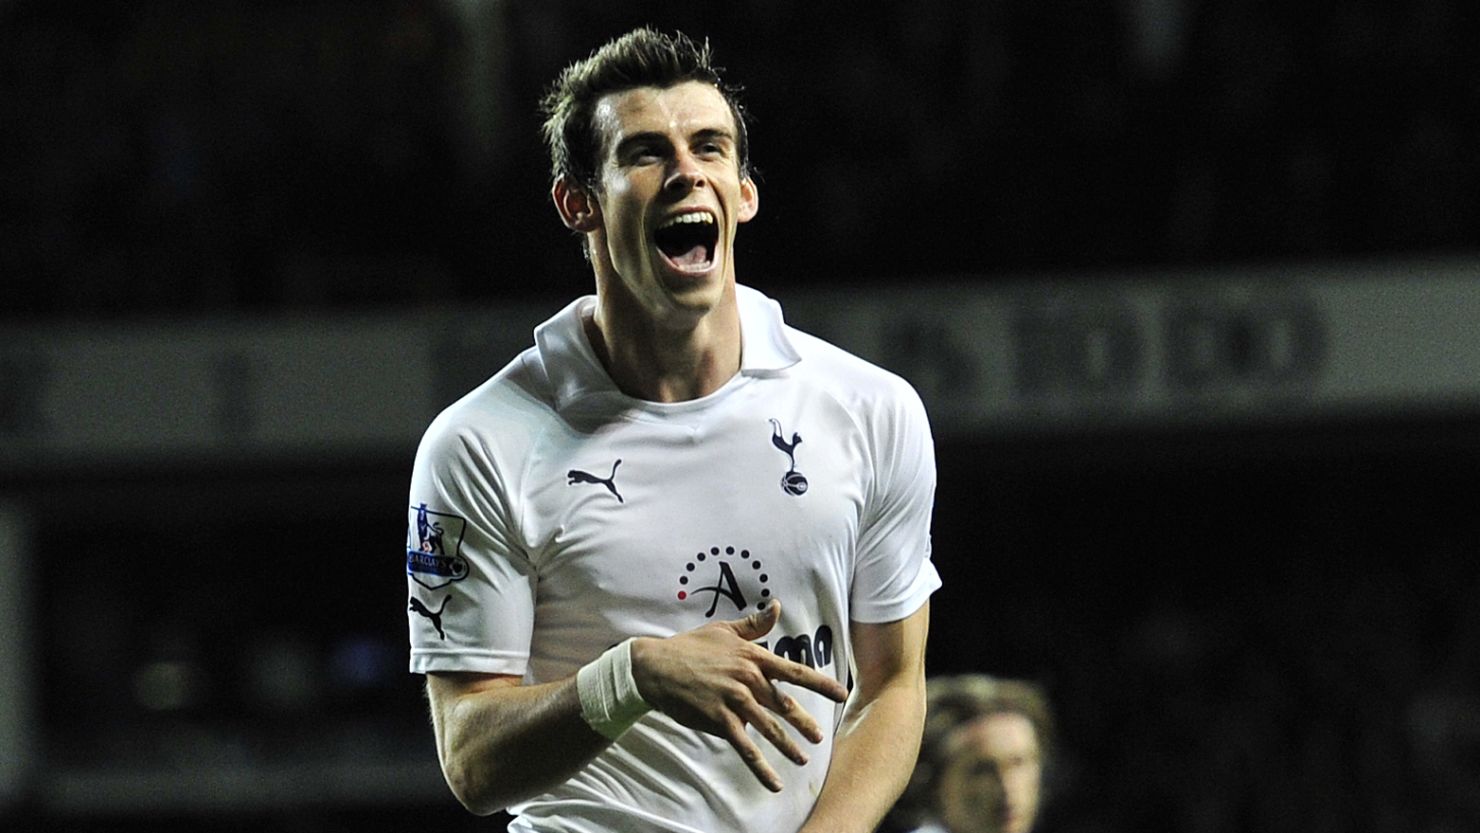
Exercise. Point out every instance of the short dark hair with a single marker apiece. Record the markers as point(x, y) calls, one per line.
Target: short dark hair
point(641, 58)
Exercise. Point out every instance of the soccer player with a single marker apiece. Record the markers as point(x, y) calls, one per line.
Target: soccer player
point(670, 568)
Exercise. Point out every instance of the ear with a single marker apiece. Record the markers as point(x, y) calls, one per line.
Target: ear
point(578, 208)
point(750, 200)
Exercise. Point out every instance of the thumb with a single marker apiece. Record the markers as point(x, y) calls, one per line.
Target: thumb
point(759, 623)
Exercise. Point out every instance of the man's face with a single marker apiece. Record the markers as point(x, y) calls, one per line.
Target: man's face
point(992, 778)
point(671, 197)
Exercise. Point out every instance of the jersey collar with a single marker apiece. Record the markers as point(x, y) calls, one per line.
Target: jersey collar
point(571, 365)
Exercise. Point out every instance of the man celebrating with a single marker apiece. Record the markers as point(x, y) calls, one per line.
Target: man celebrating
point(653, 614)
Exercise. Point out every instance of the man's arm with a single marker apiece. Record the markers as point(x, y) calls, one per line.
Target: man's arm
point(501, 742)
point(879, 740)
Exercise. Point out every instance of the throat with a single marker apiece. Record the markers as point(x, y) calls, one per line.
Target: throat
point(658, 365)
point(685, 382)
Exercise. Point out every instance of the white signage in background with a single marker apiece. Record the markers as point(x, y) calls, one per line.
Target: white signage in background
point(239, 391)
point(990, 358)
point(1170, 356)
point(17, 678)
point(1273, 348)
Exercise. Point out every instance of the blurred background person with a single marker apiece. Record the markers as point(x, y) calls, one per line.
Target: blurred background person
point(986, 743)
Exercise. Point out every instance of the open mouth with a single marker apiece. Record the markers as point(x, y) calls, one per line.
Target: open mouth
point(688, 240)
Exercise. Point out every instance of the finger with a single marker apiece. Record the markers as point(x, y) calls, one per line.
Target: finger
point(771, 730)
point(751, 755)
point(757, 624)
point(784, 670)
point(769, 694)
point(792, 712)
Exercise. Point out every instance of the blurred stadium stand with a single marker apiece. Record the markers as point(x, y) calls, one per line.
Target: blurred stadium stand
point(1191, 291)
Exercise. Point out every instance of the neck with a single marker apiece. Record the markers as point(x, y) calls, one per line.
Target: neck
point(662, 361)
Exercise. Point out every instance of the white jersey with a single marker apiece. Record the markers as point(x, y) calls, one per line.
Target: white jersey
point(552, 516)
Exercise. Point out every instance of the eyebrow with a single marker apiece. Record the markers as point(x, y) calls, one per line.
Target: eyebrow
point(706, 134)
point(714, 133)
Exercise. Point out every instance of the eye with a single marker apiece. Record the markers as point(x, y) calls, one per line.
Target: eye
point(712, 148)
point(641, 153)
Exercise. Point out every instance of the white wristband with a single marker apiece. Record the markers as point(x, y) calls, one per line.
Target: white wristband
point(610, 702)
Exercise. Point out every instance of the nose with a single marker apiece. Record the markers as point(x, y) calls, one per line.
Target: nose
point(684, 175)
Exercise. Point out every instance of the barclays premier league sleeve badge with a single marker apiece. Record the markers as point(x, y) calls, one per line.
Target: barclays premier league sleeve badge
point(433, 548)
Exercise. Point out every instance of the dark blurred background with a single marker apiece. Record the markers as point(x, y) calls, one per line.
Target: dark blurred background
point(1252, 596)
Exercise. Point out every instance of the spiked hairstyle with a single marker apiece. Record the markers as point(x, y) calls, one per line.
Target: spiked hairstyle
point(641, 58)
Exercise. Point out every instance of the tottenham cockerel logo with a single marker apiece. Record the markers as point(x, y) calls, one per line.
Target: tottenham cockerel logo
point(724, 573)
point(792, 482)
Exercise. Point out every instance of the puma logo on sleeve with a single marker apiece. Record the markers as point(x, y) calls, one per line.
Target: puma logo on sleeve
point(435, 616)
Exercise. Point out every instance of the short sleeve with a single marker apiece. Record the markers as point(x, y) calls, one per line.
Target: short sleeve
point(894, 574)
point(470, 587)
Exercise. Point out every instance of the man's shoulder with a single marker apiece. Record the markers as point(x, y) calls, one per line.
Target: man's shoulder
point(847, 375)
point(513, 404)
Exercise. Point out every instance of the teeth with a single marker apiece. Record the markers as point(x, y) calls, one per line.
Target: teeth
point(694, 217)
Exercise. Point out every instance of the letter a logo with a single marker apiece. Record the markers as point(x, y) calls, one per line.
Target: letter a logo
point(725, 583)
point(726, 586)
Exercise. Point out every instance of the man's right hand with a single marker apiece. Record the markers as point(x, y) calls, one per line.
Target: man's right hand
point(715, 679)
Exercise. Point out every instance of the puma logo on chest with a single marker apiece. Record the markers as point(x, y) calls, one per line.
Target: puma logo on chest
point(575, 476)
